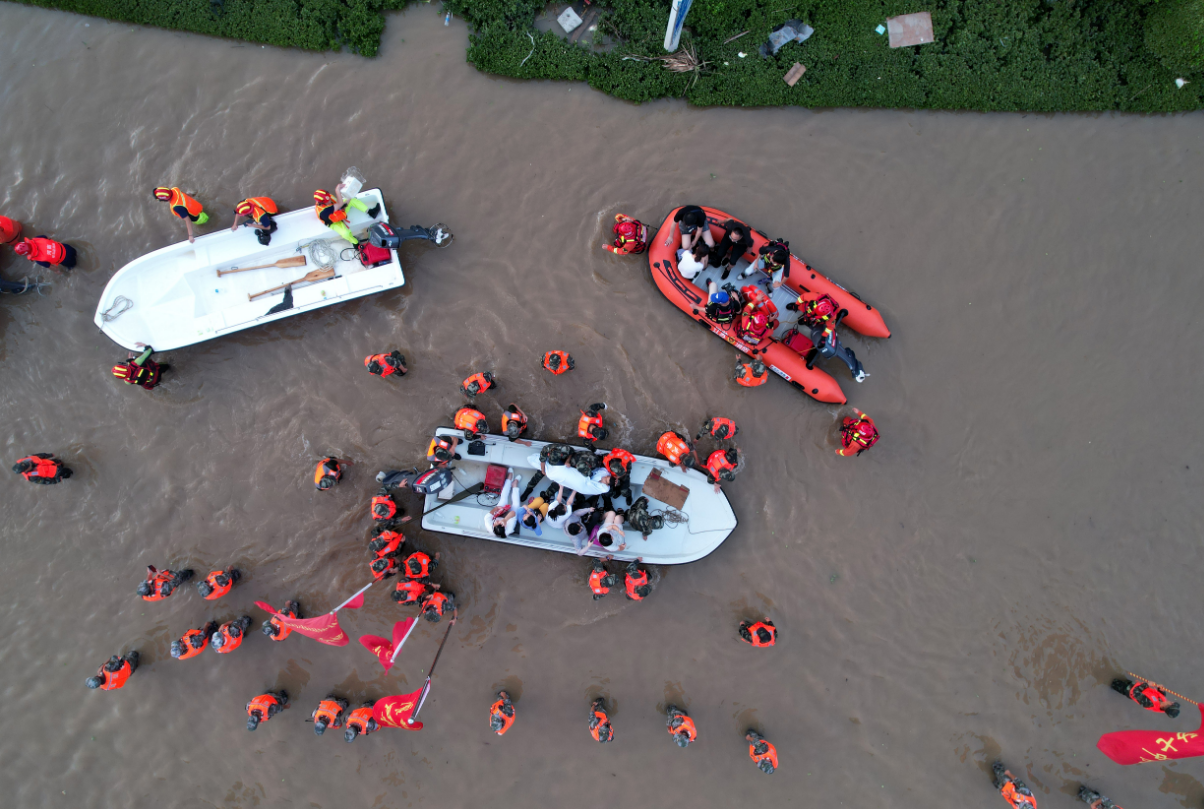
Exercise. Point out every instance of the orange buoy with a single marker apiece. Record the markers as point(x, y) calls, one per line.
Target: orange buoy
point(10, 230)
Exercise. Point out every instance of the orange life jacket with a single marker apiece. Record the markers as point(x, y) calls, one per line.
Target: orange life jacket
point(587, 424)
point(687, 727)
point(411, 591)
point(673, 446)
point(393, 541)
point(1158, 700)
point(633, 582)
point(750, 380)
point(597, 582)
point(327, 468)
point(9, 230)
point(418, 565)
point(755, 639)
point(130, 372)
point(47, 250)
point(324, 203)
point(383, 507)
point(218, 589)
point(1017, 800)
point(157, 580)
point(566, 362)
point(359, 720)
point(329, 710)
point(621, 458)
point(495, 711)
point(518, 416)
point(383, 361)
point(184, 206)
point(768, 753)
point(470, 421)
point(482, 383)
point(115, 679)
point(602, 720)
point(436, 601)
point(722, 428)
point(263, 704)
point(44, 468)
point(857, 435)
point(190, 648)
point(382, 566)
point(255, 207)
point(718, 463)
point(440, 443)
point(230, 642)
point(282, 631)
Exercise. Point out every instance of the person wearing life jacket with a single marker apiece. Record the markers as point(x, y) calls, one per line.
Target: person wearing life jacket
point(750, 374)
point(383, 365)
point(618, 463)
point(755, 325)
point(477, 383)
point(1095, 800)
point(822, 314)
point(676, 448)
point(681, 726)
point(230, 635)
point(599, 722)
point(10, 230)
point(160, 584)
point(141, 370)
point(631, 236)
point(472, 422)
point(1013, 790)
point(264, 707)
point(193, 642)
point(42, 467)
point(722, 465)
point(258, 213)
point(328, 472)
point(329, 714)
point(501, 714)
point(1147, 695)
point(514, 422)
point(46, 252)
point(436, 605)
point(857, 435)
point(411, 591)
point(773, 259)
point(113, 674)
point(815, 309)
point(183, 207)
point(419, 566)
point(759, 634)
point(600, 580)
point(589, 426)
point(636, 582)
point(383, 567)
point(385, 542)
point(763, 754)
point(722, 306)
point(360, 723)
point(278, 631)
point(442, 449)
point(383, 506)
point(218, 583)
point(332, 210)
point(719, 428)
point(558, 362)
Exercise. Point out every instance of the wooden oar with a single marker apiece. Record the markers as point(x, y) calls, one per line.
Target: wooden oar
point(310, 277)
point(294, 261)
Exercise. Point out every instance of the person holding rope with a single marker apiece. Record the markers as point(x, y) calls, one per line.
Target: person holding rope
point(1147, 695)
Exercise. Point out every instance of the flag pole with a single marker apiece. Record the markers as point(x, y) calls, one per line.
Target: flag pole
point(403, 641)
point(1164, 688)
point(348, 601)
point(427, 687)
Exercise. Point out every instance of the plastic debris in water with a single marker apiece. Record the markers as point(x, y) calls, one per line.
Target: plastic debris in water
point(881, 29)
point(1180, 82)
point(447, 19)
point(742, 54)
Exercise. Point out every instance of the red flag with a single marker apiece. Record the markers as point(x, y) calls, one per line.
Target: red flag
point(1140, 746)
point(324, 628)
point(384, 650)
point(396, 712)
point(355, 603)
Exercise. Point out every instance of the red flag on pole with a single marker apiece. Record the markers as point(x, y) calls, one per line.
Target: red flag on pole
point(397, 711)
point(1140, 746)
point(324, 628)
point(385, 650)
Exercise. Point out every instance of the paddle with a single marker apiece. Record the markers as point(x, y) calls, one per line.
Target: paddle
point(309, 278)
point(295, 261)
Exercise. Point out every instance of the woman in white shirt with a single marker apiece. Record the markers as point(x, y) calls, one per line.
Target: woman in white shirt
point(502, 517)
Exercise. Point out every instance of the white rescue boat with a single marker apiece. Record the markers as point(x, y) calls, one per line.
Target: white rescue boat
point(704, 520)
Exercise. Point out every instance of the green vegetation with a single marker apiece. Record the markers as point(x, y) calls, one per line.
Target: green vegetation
point(1039, 55)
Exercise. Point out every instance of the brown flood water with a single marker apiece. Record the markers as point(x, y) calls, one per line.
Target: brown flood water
point(1027, 528)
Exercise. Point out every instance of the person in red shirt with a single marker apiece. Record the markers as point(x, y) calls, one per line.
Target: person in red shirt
point(47, 252)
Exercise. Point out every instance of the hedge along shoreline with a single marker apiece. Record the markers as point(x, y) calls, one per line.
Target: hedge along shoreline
point(1011, 55)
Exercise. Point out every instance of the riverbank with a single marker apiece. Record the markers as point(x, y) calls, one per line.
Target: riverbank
point(1028, 55)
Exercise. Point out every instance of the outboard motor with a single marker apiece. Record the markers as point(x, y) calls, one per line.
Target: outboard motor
point(382, 234)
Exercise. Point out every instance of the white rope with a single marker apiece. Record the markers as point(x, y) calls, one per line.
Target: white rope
point(121, 301)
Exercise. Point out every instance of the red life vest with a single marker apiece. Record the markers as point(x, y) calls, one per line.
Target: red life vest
point(282, 631)
point(115, 679)
point(1015, 798)
point(383, 507)
point(327, 468)
point(749, 379)
point(1158, 700)
point(633, 582)
point(813, 311)
point(157, 580)
point(359, 720)
point(440, 449)
point(262, 705)
point(190, 648)
point(470, 421)
point(620, 458)
point(857, 435)
point(230, 641)
point(331, 711)
point(46, 250)
point(631, 237)
point(587, 425)
point(382, 566)
point(482, 383)
point(392, 541)
point(754, 631)
point(411, 591)
point(518, 417)
point(43, 467)
point(717, 463)
point(383, 361)
point(686, 726)
point(9, 230)
point(496, 713)
point(673, 446)
point(754, 325)
point(722, 428)
point(130, 372)
point(767, 753)
point(324, 207)
point(218, 589)
point(255, 207)
point(438, 602)
point(598, 721)
point(418, 565)
point(564, 364)
point(597, 582)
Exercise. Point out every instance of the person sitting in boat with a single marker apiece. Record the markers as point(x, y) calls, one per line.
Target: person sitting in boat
point(828, 345)
point(631, 236)
point(258, 212)
point(442, 450)
point(722, 306)
point(735, 243)
point(532, 515)
point(641, 519)
point(692, 222)
point(502, 519)
point(608, 531)
point(773, 259)
point(332, 210)
point(693, 261)
point(141, 370)
point(755, 324)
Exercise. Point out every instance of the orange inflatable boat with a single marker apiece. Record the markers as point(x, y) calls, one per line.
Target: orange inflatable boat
point(780, 346)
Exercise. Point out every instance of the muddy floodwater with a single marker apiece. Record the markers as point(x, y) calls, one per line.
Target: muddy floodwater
point(1027, 528)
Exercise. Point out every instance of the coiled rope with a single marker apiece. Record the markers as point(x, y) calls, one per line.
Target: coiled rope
point(121, 304)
